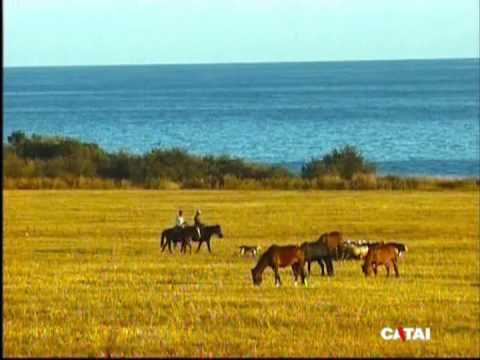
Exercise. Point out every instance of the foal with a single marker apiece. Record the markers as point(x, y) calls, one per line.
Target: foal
point(279, 257)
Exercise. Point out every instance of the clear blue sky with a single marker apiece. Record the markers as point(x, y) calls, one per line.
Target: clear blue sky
point(89, 32)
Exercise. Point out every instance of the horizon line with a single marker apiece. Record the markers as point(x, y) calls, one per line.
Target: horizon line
point(241, 62)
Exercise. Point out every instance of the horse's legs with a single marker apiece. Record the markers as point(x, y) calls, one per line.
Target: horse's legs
point(277, 276)
point(320, 262)
point(209, 248)
point(309, 267)
point(199, 245)
point(387, 266)
point(374, 266)
point(169, 244)
point(367, 269)
point(295, 272)
point(303, 275)
point(330, 271)
point(186, 242)
point(395, 267)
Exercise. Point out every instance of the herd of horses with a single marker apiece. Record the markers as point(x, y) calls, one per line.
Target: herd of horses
point(329, 247)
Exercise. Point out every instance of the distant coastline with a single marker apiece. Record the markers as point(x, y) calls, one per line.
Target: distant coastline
point(233, 63)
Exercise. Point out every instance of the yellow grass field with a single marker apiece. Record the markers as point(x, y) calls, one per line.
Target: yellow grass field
point(84, 276)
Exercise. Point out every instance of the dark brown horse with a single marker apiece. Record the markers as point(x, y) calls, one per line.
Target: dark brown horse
point(207, 232)
point(278, 257)
point(318, 251)
point(383, 254)
point(178, 236)
point(334, 242)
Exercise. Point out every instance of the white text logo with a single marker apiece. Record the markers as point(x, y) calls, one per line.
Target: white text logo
point(406, 334)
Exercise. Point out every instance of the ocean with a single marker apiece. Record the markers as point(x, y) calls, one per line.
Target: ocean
point(410, 117)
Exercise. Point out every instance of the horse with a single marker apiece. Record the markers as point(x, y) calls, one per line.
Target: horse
point(334, 241)
point(383, 254)
point(401, 248)
point(178, 235)
point(279, 257)
point(206, 234)
point(318, 251)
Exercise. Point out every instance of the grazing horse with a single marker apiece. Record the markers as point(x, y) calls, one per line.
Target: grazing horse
point(383, 254)
point(318, 251)
point(207, 233)
point(334, 241)
point(279, 257)
point(173, 235)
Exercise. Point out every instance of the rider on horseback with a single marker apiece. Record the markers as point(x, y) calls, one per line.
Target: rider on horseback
point(179, 221)
point(198, 223)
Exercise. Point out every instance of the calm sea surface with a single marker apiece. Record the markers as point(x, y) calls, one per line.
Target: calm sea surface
point(411, 117)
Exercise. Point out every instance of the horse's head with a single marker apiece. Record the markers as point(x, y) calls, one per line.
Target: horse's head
point(218, 231)
point(256, 277)
point(402, 248)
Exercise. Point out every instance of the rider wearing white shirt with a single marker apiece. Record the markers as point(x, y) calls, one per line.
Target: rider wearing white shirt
point(179, 221)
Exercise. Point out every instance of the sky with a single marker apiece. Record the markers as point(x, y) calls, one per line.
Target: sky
point(113, 32)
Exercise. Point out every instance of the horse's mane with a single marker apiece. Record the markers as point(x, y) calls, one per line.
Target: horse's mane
point(264, 257)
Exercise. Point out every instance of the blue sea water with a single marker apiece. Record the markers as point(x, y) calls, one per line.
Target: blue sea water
point(416, 117)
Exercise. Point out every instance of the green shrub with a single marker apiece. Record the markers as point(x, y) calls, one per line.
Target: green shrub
point(345, 163)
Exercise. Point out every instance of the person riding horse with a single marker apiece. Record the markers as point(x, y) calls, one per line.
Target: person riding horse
point(198, 223)
point(179, 221)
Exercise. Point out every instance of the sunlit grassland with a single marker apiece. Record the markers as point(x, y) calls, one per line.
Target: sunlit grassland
point(83, 275)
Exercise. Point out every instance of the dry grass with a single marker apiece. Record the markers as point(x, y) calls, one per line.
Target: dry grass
point(83, 275)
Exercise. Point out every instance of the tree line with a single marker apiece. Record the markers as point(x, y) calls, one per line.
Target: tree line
point(39, 159)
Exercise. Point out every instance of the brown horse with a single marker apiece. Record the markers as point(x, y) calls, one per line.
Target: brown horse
point(383, 254)
point(279, 257)
point(334, 242)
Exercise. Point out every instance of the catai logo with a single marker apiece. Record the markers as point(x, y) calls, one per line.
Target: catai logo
point(406, 334)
